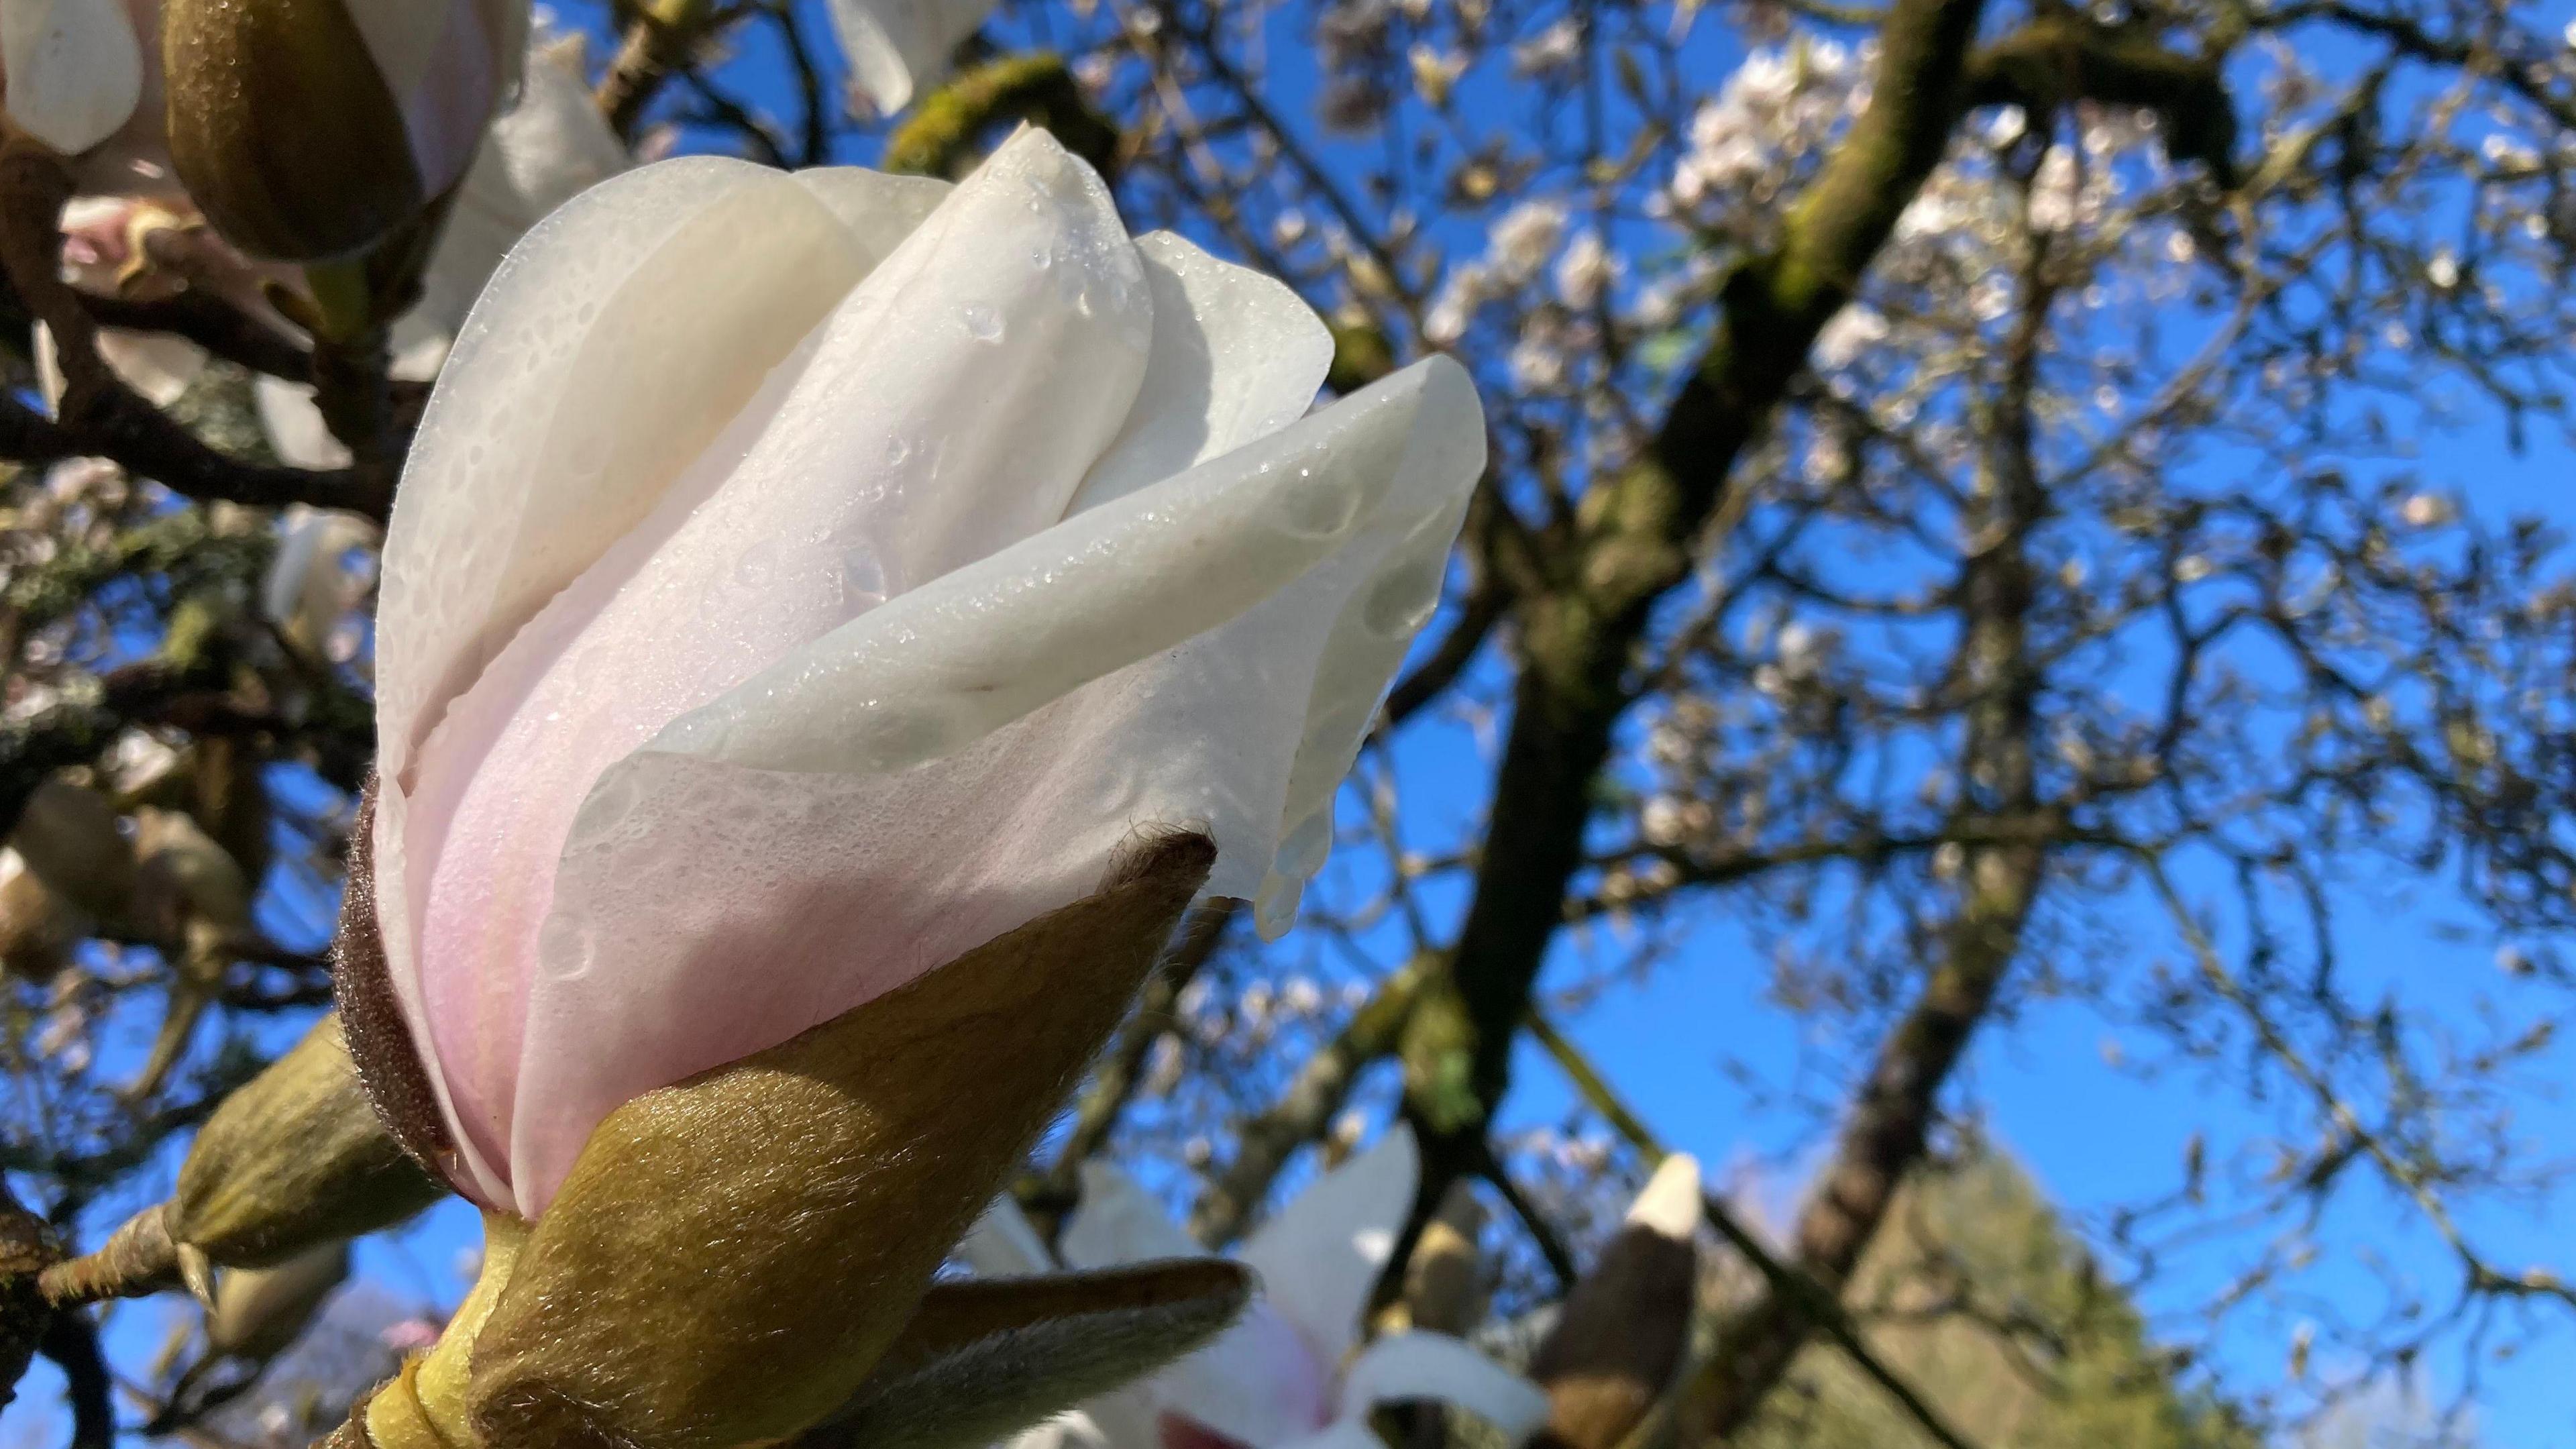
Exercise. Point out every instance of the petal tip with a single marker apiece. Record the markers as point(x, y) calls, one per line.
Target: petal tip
point(1669, 1204)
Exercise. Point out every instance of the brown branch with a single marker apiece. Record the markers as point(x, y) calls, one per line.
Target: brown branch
point(1889, 1126)
point(1635, 542)
point(663, 41)
point(213, 324)
point(71, 1341)
point(2064, 56)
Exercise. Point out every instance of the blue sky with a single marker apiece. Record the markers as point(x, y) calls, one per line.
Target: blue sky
point(2095, 1136)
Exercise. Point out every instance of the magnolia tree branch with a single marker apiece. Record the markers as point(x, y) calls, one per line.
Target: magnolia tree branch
point(2065, 56)
point(1888, 1129)
point(1579, 633)
point(663, 41)
point(941, 136)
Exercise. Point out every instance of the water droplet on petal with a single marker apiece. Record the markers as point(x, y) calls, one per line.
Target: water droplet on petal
point(1302, 853)
point(897, 449)
point(982, 322)
point(863, 580)
point(1316, 505)
point(1404, 599)
point(1274, 909)
point(758, 565)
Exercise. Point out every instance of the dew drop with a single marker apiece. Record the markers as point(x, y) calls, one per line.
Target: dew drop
point(1317, 507)
point(863, 579)
point(1274, 910)
point(565, 948)
point(758, 565)
point(982, 322)
point(1404, 600)
point(1302, 853)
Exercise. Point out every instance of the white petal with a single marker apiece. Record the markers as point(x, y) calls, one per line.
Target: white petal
point(294, 424)
point(1435, 1366)
point(1237, 356)
point(895, 47)
point(1321, 1253)
point(941, 667)
point(308, 588)
point(1117, 1221)
point(1075, 1429)
point(607, 354)
point(1340, 1434)
point(1261, 1383)
point(545, 150)
point(154, 364)
point(1669, 1203)
point(1003, 1244)
point(74, 69)
point(769, 861)
point(948, 407)
point(609, 351)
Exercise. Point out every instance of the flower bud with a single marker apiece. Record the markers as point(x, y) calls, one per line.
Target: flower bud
point(307, 129)
point(1444, 1281)
point(1621, 1334)
point(293, 1159)
point(732, 1256)
point(69, 838)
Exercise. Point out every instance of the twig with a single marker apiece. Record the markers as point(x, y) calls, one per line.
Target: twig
point(71, 1341)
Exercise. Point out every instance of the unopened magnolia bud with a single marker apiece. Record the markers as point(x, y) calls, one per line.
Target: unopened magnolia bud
point(293, 1159)
point(68, 836)
point(732, 1256)
point(1444, 1285)
point(1624, 1326)
point(37, 927)
point(308, 129)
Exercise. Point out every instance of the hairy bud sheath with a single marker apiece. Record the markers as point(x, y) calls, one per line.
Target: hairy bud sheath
point(733, 1256)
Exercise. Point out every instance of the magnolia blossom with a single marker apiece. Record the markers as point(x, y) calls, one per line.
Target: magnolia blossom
point(800, 580)
point(1287, 1374)
point(895, 47)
